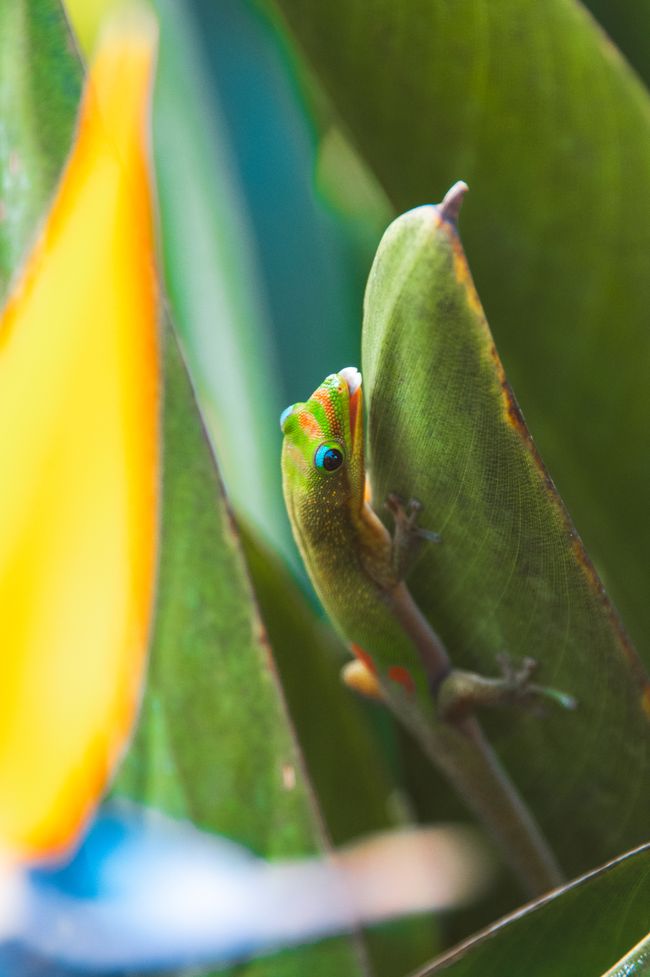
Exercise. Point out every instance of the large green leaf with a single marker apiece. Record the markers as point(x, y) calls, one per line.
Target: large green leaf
point(40, 84)
point(531, 105)
point(510, 573)
point(581, 930)
point(214, 742)
point(349, 765)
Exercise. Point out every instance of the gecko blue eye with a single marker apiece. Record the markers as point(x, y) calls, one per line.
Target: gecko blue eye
point(328, 457)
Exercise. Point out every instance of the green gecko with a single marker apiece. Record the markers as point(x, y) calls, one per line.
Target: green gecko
point(358, 571)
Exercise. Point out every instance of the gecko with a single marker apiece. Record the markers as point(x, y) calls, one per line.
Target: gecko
point(359, 572)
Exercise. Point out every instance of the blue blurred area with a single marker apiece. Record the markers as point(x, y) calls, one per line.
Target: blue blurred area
point(308, 258)
point(132, 897)
point(81, 877)
point(145, 893)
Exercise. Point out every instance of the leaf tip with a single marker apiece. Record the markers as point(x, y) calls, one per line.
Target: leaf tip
point(449, 209)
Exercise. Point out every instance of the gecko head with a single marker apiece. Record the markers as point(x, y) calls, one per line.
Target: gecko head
point(322, 453)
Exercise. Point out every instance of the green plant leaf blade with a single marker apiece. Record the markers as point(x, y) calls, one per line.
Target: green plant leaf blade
point(635, 963)
point(578, 930)
point(551, 129)
point(510, 574)
point(214, 742)
point(40, 85)
point(211, 276)
point(347, 761)
point(353, 767)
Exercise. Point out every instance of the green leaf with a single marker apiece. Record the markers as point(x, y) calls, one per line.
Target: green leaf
point(347, 762)
point(40, 85)
point(536, 110)
point(214, 742)
point(348, 766)
point(635, 963)
point(581, 929)
point(628, 24)
point(210, 671)
point(510, 573)
point(212, 281)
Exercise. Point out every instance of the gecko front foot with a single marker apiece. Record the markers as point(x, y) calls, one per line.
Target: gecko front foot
point(460, 693)
point(408, 537)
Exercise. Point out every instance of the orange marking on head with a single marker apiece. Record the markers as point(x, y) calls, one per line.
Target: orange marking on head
point(364, 657)
point(355, 413)
point(324, 398)
point(309, 424)
point(403, 677)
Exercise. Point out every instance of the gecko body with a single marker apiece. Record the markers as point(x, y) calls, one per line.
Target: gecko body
point(358, 571)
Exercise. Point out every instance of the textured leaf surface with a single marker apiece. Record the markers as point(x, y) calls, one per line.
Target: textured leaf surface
point(40, 84)
point(536, 110)
point(581, 930)
point(510, 573)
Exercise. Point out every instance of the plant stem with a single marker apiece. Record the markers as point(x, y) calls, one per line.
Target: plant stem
point(462, 753)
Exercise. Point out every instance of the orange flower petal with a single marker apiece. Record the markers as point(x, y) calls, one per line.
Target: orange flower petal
point(79, 437)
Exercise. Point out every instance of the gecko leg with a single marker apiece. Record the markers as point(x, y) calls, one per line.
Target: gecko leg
point(461, 692)
point(408, 537)
point(358, 677)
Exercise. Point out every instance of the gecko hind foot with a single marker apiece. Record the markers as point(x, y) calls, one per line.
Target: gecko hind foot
point(517, 677)
point(460, 693)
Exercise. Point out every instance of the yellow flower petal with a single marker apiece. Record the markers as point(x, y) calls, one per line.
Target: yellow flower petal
point(79, 440)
